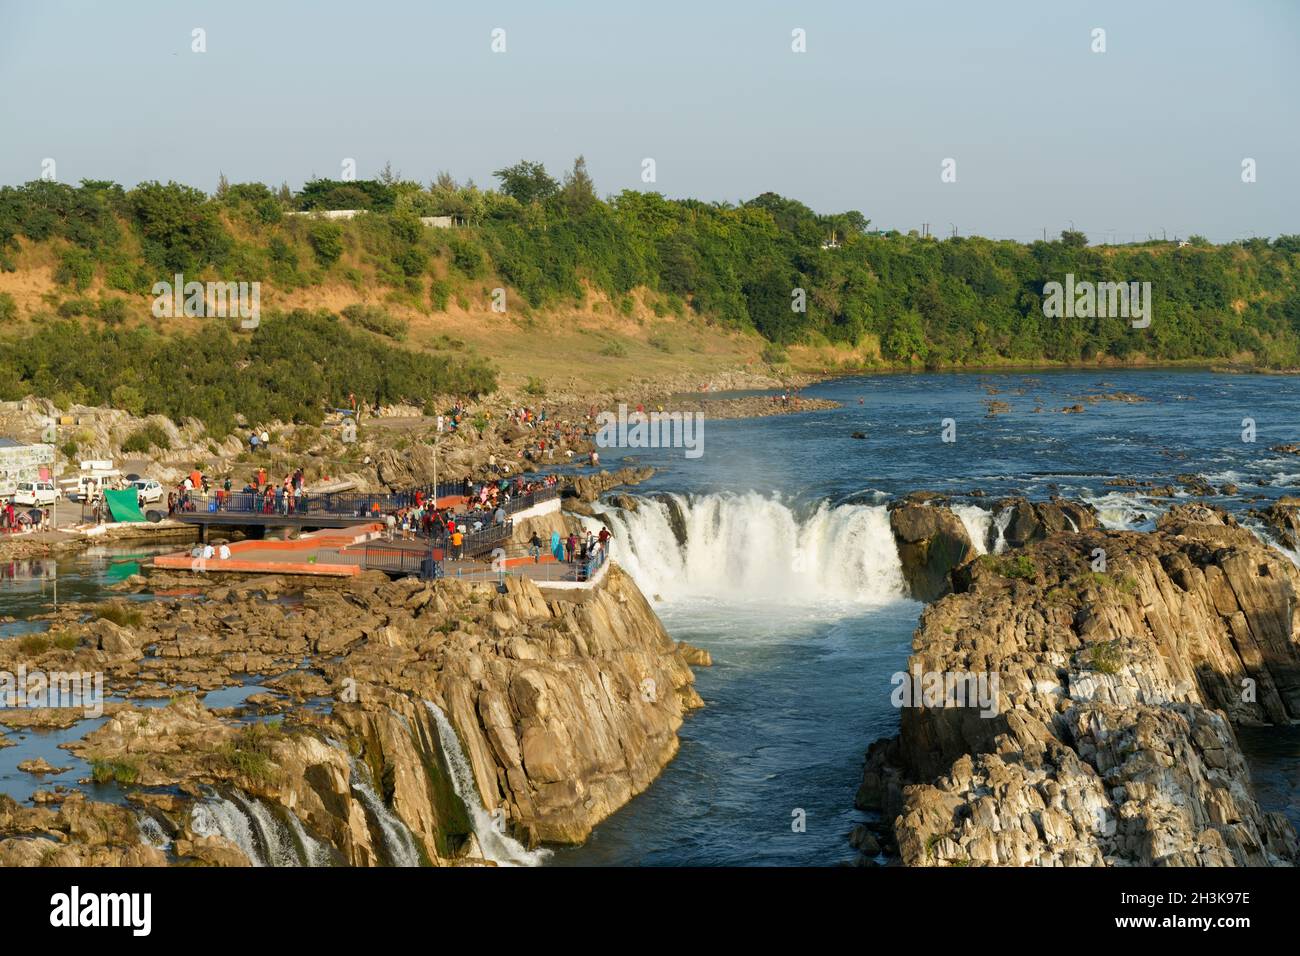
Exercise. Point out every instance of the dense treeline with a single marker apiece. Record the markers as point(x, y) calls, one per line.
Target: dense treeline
point(292, 368)
point(916, 300)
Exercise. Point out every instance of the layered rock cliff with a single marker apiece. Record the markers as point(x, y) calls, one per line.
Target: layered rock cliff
point(559, 707)
point(1122, 661)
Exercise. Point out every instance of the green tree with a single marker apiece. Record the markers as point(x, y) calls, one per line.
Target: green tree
point(906, 340)
point(527, 182)
point(179, 228)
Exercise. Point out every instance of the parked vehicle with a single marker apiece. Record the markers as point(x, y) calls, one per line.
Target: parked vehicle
point(90, 484)
point(37, 493)
point(148, 490)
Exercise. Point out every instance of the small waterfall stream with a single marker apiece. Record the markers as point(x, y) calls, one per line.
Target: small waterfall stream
point(496, 845)
point(398, 840)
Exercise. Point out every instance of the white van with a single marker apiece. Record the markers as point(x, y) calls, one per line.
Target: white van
point(37, 493)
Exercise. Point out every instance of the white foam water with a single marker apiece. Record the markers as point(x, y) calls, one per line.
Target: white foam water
point(977, 521)
point(250, 825)
point(397, 836)
point(279, 847)
point(218, 816)
point(497, 846)
point(151, 832)
point(750, 548)
point(1269, 537)
point(1000, 524)
point(1120, 512)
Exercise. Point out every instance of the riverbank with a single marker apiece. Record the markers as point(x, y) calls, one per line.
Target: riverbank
point(45, 544)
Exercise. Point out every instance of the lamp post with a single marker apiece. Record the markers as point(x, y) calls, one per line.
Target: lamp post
point(436, 439)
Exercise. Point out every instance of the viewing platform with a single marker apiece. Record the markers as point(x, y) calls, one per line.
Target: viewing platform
point(340, 552)
point(334, 510)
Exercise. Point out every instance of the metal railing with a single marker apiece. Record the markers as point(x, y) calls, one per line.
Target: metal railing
point(541, 571)
point(396, 560)
point(474, 542)
point(532, 498)
point(335, 504)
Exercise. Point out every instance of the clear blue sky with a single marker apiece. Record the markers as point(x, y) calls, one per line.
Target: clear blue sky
point(1148, 135)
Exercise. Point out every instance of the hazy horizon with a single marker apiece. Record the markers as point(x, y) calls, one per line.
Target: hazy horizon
point(1148, 136)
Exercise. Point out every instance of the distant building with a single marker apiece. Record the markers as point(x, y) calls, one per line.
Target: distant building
point(330, 213)
point(19, 462)
point(434, 222)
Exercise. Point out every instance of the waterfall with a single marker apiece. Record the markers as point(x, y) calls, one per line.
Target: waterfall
point(1124, 512)
point(217, 816)
point(315, 852)
point(752, 548)
point(151, 832)
point(1269, 536)
point(977, 521)
point(398, 840)
point(496, 845)
point(254, 828)
point(1000, 525)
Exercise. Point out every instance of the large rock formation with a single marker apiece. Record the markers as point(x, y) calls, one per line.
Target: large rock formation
point(1112, 740)
point(563, 705)
point(1283, 519)
point(931, 542)
point(1034, 520)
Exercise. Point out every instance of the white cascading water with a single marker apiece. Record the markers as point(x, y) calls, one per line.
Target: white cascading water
point(397, 836)
point(280, 850)
point(317, 853)
point(977, 521)
point(251, 826)
point(218, 816)
point(756, 549)
point(1120, 512)
point(151, 831)
point(498, 847)
point(1000, 524)
point(1269, 537)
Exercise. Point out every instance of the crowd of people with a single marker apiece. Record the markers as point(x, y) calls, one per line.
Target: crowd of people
point(582, 549)
point(259, 494)
point(16, 520)
point(485, 504)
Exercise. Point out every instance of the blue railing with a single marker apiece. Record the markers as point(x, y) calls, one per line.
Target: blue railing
point(593, 564)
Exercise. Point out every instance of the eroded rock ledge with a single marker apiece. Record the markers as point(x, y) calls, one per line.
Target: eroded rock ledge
point(565, 706)
point(1113, 743)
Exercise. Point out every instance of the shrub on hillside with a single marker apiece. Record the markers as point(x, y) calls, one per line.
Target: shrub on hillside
point(76, 269)
point(326, 240)
point(376, 320)
point(145, 438)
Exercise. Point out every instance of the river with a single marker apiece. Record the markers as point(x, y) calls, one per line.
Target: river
point(772, 551)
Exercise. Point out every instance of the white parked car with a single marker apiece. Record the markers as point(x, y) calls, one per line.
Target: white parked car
point(37, 493)
point(148, 489)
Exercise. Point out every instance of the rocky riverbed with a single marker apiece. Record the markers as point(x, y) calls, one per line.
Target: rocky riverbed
point(393, 722)
point(1122, 663)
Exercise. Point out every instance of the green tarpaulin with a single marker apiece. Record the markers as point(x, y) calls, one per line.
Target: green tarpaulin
point(124, 505)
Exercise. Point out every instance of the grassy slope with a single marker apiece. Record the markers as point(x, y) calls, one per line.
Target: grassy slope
point(574, 344)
